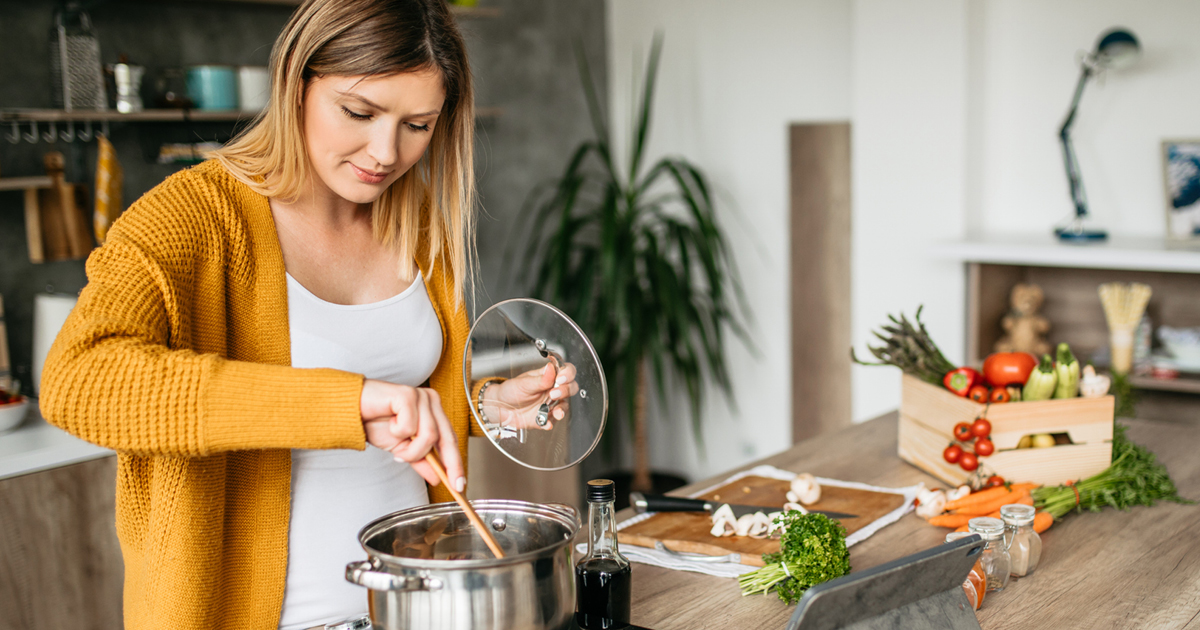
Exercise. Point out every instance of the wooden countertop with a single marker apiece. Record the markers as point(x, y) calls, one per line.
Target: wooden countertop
point(1135, 569)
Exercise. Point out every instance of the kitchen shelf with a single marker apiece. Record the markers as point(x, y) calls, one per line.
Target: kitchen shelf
point(1044, 250)
point(459, 10)
point(147, 115)
point(1182, 384)
point(24, 183)
point(154, 115)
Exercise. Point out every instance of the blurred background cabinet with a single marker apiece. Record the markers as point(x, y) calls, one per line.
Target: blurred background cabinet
point(59, 549)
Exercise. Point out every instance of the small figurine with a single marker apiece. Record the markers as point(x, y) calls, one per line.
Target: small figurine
point(1024, 328)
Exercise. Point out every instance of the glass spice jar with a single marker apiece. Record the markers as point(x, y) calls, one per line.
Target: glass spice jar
point(1025, 546)
point(975, 586)
point(995, 560)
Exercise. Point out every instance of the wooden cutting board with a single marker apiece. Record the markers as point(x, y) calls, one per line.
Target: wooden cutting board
point(689, 531)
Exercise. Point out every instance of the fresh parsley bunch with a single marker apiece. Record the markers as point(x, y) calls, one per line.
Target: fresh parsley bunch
point(811, 551)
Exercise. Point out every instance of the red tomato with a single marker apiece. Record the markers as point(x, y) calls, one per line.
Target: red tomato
point(952, 453)
point(981, 428)
point(984, 447)
point(1000, 395)
point(962, 432)
point(1008, 368)
point(994, 481)
point(979, 394)
point(968, 461)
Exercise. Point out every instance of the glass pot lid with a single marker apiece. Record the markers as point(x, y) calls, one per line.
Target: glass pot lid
point(515, 340)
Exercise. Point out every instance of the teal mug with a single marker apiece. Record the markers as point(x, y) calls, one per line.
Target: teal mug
point(213, 87)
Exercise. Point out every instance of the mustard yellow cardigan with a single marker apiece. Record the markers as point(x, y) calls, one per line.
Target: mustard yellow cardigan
point(178, 357)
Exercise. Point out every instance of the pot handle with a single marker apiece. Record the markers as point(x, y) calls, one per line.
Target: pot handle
point(363, 573)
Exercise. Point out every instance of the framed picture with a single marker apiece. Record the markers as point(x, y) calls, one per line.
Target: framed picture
point(1181, 173)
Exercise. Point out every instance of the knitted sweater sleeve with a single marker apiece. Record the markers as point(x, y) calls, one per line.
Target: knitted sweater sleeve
point(121, 373)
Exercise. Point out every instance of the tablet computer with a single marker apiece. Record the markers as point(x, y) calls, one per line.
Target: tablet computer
point(917, 592)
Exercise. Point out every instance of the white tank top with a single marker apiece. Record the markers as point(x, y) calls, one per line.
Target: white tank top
point(336, 492)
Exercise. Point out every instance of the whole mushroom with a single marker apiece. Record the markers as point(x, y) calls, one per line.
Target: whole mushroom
point(806, 489)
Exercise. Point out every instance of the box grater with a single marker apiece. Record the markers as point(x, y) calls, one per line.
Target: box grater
point(75, 62)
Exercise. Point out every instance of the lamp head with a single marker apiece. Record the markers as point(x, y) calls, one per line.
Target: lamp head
point(1117, 49)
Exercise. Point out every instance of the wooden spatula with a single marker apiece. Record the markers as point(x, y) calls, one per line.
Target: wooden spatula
point(482, 528)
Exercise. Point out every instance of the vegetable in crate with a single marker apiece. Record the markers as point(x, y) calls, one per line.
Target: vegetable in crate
point(813, 547)
point(1002, 369)
point(909, 348)
point(1134, 478)
point(1068, 373)
point(962, 380)
point(1042, 381)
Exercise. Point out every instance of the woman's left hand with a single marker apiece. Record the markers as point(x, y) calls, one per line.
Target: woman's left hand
point(517, 401)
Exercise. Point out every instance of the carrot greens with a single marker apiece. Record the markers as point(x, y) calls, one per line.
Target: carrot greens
point(1135, 477)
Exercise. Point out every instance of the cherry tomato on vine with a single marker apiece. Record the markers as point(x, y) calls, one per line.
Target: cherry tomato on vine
point(968, 461)
point(984, 447)
point(1000, 395)
point(994, 481)
point(962, 432)
point(981, 428)
point(979, 393)
point(952, 453)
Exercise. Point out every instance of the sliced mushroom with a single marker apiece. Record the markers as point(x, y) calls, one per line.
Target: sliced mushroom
point(761, 527)
point(744, 524)
point(787, 507)
point(724, 512)
point(806, 488)
point(722, 527)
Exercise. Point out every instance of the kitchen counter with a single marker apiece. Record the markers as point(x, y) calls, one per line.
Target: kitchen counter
point(1135, 569)
point(36, 445)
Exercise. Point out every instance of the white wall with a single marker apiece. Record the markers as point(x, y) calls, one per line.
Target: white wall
point(1027, 54)
point(733, 77)
point(909, 150)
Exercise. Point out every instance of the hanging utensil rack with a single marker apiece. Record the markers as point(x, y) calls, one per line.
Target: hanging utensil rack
point(57, 125)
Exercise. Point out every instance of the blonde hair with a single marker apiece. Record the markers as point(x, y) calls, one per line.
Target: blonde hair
point(430, 209)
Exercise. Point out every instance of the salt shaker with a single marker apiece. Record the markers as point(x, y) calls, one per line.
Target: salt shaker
point(995, 560)
point(1025, 547)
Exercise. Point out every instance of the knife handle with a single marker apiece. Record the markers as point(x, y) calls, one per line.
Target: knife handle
point(663, 503)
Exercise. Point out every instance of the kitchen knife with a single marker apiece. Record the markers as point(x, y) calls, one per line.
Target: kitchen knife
point(663, 503)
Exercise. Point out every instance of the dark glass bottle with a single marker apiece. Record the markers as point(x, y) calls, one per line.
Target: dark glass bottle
point(603, 577)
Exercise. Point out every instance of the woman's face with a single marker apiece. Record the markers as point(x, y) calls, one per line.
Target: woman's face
point(363, 133)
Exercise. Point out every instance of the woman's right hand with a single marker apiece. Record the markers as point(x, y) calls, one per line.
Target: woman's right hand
point(409, 422)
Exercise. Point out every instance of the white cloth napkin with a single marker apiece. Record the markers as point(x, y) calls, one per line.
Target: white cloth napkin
point(681, 562)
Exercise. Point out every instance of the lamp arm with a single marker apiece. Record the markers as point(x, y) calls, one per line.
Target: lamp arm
point(1074, 178)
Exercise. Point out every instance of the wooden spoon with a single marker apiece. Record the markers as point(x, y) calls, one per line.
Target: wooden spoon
point(483, 530)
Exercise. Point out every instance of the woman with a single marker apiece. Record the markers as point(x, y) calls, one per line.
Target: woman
point(272, 341)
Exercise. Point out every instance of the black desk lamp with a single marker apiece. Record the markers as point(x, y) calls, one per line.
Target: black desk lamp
point(1117, 49)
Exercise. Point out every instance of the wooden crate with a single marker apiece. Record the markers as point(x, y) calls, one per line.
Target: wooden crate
point(928, 414)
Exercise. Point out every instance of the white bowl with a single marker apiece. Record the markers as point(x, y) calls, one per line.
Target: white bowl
point(13, 414)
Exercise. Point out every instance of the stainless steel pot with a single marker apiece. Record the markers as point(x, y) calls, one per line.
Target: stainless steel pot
point(428, 569)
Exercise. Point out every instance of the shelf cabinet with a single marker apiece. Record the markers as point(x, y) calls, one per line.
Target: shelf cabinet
point(59, 550)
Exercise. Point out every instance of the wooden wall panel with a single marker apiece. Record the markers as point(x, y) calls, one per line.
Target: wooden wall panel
point(60, 562)
point(820, 277)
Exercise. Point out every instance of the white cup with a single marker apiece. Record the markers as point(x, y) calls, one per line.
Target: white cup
point(254, 88)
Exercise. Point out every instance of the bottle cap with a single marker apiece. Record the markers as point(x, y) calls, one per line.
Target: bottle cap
point(987, 527)
point(601, 491)
point(1017, 514)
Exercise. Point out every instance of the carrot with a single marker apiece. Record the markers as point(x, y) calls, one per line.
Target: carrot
point(990, 494)
point(962, 529)
point(1025, 500)
point(1042, 521)
point(950, 520)
point(983, 509)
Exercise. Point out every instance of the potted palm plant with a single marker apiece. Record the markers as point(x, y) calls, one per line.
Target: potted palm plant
point(635, 255)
